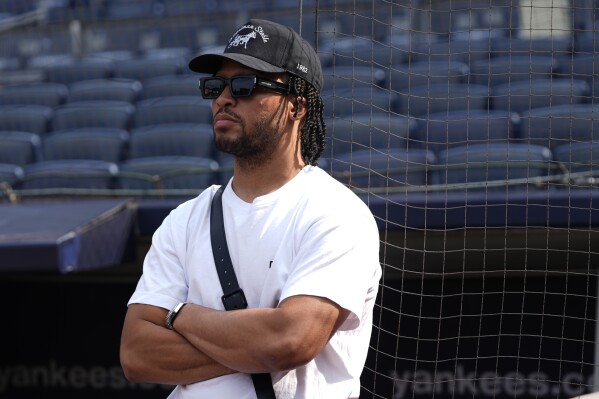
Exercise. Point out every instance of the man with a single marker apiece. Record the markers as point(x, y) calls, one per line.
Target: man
point(304, 247)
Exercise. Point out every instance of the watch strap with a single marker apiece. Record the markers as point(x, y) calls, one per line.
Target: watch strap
point(172, 314)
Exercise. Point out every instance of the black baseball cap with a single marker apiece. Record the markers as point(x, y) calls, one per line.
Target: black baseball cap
point(269, 47)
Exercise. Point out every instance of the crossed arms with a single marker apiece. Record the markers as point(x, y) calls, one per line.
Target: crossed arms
point(208, 343)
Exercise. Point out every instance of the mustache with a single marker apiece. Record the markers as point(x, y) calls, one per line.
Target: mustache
point(226, 111)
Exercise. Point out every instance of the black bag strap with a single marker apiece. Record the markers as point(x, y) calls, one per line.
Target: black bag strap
point(233, 296)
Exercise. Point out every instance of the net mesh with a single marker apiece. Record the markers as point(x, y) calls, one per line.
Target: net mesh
point(466, 126)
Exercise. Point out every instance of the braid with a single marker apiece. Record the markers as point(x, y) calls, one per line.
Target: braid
point(313, 131)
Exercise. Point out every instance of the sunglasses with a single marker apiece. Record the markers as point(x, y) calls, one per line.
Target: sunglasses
point(240, 86)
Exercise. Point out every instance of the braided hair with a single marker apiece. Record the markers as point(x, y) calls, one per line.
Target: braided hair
point(313, 130)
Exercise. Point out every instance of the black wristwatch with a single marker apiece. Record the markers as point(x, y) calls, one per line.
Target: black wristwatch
point(170, 317)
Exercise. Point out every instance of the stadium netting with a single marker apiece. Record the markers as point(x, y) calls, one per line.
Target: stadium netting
point(467, 126)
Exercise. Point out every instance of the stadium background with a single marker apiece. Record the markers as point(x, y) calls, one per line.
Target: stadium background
point(466, 126)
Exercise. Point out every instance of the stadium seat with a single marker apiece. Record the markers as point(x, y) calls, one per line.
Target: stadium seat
point(581, 67)
point(371, 169)
point(344, 77)
point(180, 139)
point(549, 46)
point(359, 100)
point(450, 129)
point(112, 55)
point(168, 53)
point(77, 70)
point(70, 173)
point(142, 69)
point(168, 172)
point(11, 174)
point(586, 43)
point(26, 118)
point(9, 64)
point(47, 94)
point(105, 90)
point(499, 163)
point(525, 95)
point(510, 68)
point(173, 109)
point(82, 114)
point(463, 51)
point(171, 85)
point(104, 144)
point(403, 78)
point(363, 51)
point(581, 158)
point(363, 131)
point(558, 125)
point(42, 61)
point(421, 101)
point(20, 148)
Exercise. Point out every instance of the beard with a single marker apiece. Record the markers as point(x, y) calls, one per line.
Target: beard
point(253, 146)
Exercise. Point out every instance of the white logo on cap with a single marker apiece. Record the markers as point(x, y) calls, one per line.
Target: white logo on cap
point(242, 40)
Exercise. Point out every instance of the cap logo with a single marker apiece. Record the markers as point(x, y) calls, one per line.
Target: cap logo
point(242, 40)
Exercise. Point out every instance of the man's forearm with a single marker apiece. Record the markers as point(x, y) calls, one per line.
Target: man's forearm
point(152, 353)
point(261, 340)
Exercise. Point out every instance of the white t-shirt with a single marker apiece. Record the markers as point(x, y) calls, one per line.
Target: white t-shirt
point(313, 236)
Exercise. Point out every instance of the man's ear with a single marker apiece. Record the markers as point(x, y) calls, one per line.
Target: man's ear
point(299, 107)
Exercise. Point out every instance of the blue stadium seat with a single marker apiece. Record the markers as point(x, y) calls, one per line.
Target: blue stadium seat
point(171, 85)
point(70, 173)
point(47, 94)
point(550, 46)
point(112, 55)
point(82, 114)
point(11, 174)
point(403, 78)
point(26, 118)
point(510, 68)
point(525, 95)
point(20, 148)
point(581, 158)
point(168, 172)
point(362, 51)
point(586, 43)
point(580, 67)
point(180, 139)
point(363, 131)
point(463, 51)
point(555, 126)
point(394, 167)
point(168, 53)
point(9, 64)
point(173, 109)
point(105, 90)
point(359, 100)
point(450, 129)
point(77, 70)
point(142, 69)
point(494, 162)
point(344, 77)
point(422, 101)
point(104, 144)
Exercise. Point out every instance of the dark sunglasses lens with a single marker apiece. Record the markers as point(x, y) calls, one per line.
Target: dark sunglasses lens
point(212, 88)
point(242, 86)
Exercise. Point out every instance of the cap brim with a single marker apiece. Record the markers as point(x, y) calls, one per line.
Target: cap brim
point(210, 63)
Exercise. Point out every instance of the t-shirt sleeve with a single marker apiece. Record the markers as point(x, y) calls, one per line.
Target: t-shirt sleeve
point(163, 282)
point(338, 259)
